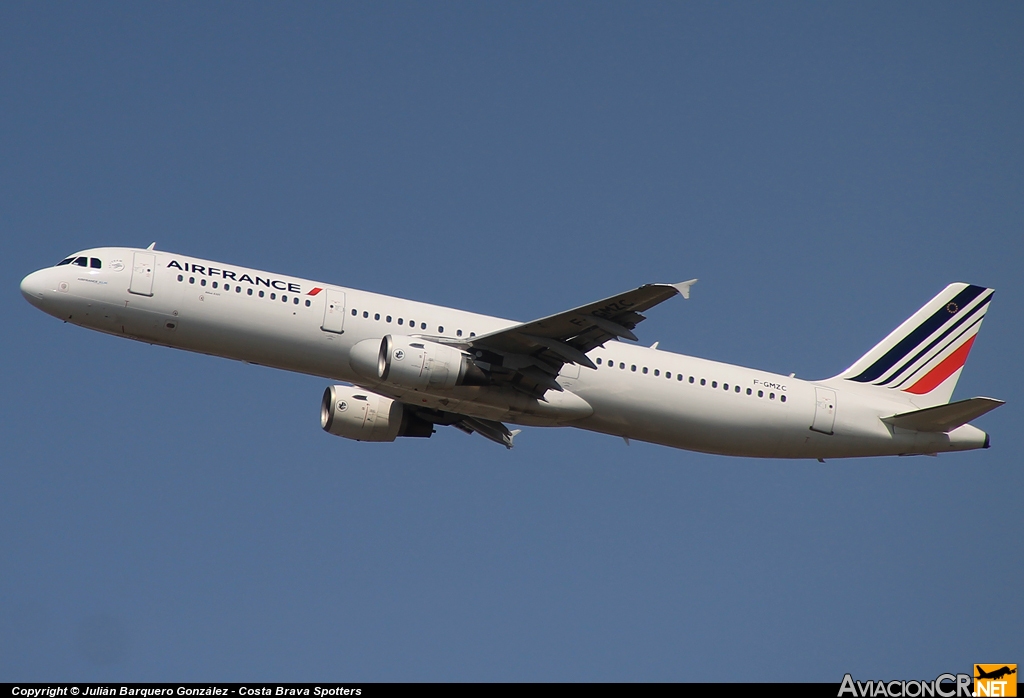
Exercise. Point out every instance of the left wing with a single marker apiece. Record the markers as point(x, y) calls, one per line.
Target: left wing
point(528, 356)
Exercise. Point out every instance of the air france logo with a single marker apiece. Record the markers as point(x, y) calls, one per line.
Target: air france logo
point(203, 270)
point(399, 354)
point(995, 680)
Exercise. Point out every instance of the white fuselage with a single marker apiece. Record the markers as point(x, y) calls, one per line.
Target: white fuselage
point(635, 392)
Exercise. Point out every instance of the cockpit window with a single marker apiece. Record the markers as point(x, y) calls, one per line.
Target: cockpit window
point(81, 262)
point(62, 262)
point(95, 263)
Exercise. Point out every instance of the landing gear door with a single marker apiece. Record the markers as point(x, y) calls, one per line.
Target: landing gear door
point(824, 410)
point(334, 312)
point(142, 274)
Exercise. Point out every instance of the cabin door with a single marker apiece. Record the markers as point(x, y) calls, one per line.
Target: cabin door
point(334, 312)
point(824, 410)
point(142, 274)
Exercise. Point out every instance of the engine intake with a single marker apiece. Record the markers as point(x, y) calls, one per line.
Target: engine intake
point(411, 362)
point(364, 416)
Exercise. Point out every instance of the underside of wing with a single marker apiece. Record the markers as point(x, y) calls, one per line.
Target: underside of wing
point(487, 428)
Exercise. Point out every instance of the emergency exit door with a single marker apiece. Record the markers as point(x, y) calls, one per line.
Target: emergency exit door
point(334, 312)
point(824, 410)
point(142, 274)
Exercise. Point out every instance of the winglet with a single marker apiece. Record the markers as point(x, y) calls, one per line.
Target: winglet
point(684, 287)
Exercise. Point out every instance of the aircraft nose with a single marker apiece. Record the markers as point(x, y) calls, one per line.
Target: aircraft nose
point(33, 287)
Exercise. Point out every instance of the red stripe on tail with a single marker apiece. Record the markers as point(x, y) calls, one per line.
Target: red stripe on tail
point(944, 370)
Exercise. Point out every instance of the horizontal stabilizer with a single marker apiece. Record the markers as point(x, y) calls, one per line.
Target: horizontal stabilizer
point(944, 417)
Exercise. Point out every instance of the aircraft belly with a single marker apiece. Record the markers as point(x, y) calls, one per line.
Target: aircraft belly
point(709, 423)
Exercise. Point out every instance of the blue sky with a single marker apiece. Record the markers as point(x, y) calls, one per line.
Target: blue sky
point(823, 169)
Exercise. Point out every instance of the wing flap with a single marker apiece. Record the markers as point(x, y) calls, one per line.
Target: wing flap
point(493, 431)
point(944, 417)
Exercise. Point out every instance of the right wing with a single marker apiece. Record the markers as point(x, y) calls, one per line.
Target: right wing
point(528, 356)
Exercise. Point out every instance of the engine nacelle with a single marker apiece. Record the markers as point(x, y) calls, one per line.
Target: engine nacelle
point(364, 416)
point(411, 362)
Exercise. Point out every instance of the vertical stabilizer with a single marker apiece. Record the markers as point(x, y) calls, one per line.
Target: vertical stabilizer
point(923, 357)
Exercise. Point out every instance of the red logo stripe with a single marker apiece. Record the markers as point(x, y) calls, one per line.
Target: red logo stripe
point(944, 370)
point(314, 291)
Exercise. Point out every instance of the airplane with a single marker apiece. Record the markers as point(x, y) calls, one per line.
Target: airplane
point(403, 367)
point(995, 674)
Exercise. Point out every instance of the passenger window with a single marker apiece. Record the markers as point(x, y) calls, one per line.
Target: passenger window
point(702, 381)
point(376, 316)
point(440, 329)
point(714, 384)
point(273, 296)
point(284, 298)
point(295, 300)
point(783, 398)
point(691, 379)
point(598, 361)
point(180, 277)
point(749, 391)
point(725, 386)
point(387, 319)
point(366, 314)
point(645, 369)
point(261, 294)
point(423, 325)
point(249, 291)
point(215, 284)
point(227, 287)
point(202, 282)
point(633, 368)
point(308, 303)
point(760, 393)
point(622, 366)
point(354, 312)
point(737, 388)
point(238, 289)
point(472, 334)
point(399, 321)
point(458, 333)
point(657, 372)
point(95, 263)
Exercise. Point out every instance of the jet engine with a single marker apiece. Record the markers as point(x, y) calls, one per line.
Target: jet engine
point(411, 362)
point(364, 416)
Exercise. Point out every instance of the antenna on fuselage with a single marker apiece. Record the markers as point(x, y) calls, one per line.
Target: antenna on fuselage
point(152, 246)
